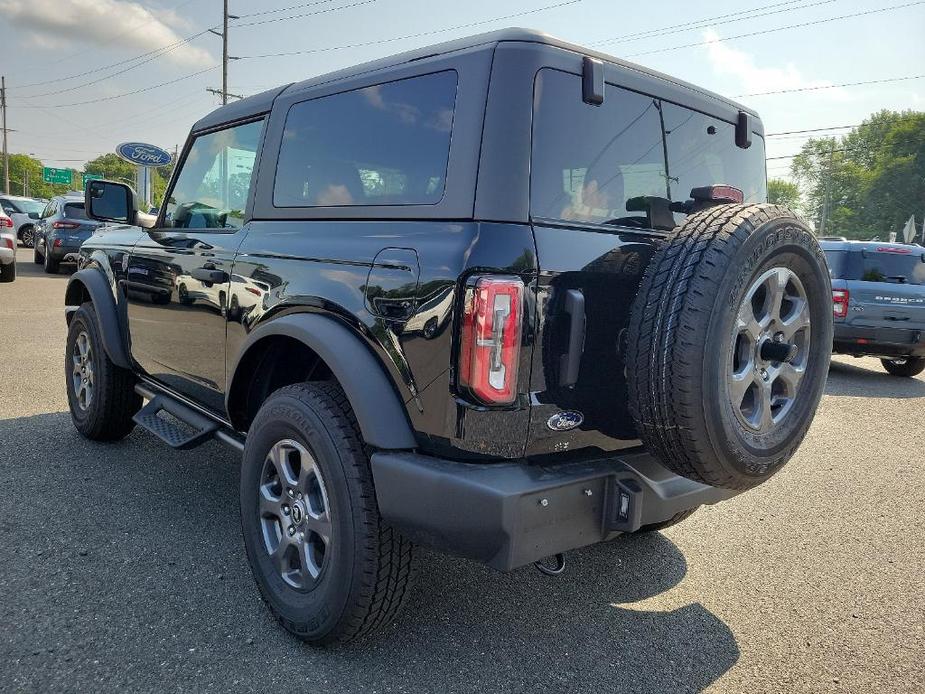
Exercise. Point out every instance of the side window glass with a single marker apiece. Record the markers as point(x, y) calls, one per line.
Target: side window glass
point(594, 164)
point(387, 144)
point(214, 182)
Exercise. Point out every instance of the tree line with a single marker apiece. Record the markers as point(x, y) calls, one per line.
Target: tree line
point(866, 183)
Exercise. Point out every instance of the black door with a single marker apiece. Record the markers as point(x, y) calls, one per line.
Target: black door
point(179, 274)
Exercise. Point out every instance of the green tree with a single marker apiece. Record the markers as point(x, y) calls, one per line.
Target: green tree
point(26, 176)
point(113, 167)
point(781, 192)
point(869, 181)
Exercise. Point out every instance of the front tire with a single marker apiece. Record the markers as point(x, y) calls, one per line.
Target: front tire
point(729, 343)
point(101, 395)
point(325, 564)
point(906, 368)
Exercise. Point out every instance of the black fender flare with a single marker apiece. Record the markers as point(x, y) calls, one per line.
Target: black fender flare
point(379, 411)
point(94, 283)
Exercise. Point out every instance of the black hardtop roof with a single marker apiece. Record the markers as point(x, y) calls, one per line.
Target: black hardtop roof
point(263, 102)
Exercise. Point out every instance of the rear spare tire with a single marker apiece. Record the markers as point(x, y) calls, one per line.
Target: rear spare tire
point(729, 344)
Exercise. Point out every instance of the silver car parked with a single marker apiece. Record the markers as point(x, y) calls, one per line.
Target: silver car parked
point(23, 212)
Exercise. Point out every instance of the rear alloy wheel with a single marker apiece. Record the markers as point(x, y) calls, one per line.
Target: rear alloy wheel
point(294, 514)
point(729, 343)
point(906, 366)
point(27, 236)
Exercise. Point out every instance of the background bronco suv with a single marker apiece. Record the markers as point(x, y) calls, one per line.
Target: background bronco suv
point(504, 297)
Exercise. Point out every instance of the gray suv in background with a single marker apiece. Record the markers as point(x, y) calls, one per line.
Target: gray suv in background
point(878, 294)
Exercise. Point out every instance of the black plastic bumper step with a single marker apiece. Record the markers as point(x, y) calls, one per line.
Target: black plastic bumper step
point(175, 424)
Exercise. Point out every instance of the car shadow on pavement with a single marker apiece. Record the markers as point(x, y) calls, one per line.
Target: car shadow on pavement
point(860, 382)
point(26, 268)
point(124, 564)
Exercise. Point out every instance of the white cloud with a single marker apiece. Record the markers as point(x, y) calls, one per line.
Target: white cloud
point(113, 22)
point(753, 79)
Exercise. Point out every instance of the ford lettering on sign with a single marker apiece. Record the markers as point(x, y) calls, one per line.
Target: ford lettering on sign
point(143, 155)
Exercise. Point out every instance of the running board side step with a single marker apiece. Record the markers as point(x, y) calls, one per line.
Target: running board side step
point(183, 429)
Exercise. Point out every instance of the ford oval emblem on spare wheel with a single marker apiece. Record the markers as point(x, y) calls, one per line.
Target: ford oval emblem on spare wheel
point(142, 154)
point(565, 421)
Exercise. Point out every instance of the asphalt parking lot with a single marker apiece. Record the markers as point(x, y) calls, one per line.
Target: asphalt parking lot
point(122, 567)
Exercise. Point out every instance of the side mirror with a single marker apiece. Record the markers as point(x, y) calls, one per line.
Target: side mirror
point(108, 201)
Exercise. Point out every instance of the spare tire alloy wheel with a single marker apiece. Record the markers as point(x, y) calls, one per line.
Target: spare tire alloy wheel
point(294, 514)
point(770, 349)
point(729, 343)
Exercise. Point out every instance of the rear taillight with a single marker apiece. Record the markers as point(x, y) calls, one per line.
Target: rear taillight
point(489, 353)
point(6, 222)
point(57, 243)
point(840, 302)
point(64, 225)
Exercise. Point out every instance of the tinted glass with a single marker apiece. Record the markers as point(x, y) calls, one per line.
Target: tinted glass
point(9, 207)
point(893, 267)
point(30, 206)
point(383, 145)
point(213, 186)
point(702, 152)
point(607, 164)
point(74, 210)
point(588, 161)
point(836, 262)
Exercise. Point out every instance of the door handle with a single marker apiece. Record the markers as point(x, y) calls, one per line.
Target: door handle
point(204, 274)
point(570, 362)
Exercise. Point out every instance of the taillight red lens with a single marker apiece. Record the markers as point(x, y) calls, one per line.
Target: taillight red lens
point(6, 222)
point(64, 225)
point(840, 302)
point(9, 244)
point(489, 354)
point(57, 243)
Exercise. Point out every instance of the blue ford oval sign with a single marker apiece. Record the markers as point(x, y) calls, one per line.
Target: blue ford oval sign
point(142, 154)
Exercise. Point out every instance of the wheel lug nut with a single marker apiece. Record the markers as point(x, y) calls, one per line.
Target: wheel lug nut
point(286, 509)
point(291, 530)
point(300, 495)
point(764, 375)
point(302, 537)
point(290, 493)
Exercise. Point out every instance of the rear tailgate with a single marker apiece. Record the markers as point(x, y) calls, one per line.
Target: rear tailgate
point(886, 288)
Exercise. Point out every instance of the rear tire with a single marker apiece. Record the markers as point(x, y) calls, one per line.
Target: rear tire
point(338, 573)
point(37, 257)
point(907, 368)
point(731, 285)
point(51, 265)
point(8, 272)
point(101, 395)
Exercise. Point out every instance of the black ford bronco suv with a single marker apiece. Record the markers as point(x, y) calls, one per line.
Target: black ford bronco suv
point(503, 297)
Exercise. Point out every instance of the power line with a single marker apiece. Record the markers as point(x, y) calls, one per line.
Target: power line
point(811, 130)
point(285, 9)
point(124, 94)
point(784, 28)
point(833, 86)
point(412, 36)
point(711, 22)
point(307, 14)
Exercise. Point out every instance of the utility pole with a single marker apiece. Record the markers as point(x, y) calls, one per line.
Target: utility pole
point(828, 187)
point(6, 153)
point(225, 95)
point(225, 58)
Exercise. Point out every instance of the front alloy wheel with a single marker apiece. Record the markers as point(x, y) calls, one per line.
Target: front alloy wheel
point(82, 371)
point(294, 515)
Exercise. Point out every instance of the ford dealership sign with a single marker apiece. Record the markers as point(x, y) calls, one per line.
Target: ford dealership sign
point(142, 154)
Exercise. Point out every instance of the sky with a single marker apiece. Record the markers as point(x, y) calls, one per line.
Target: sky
point(56, 57)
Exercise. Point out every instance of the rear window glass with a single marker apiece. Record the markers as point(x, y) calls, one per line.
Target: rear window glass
point(615, 163)
point(387, 144)
point(892, 267)
point(75, 210)
point(836, 262)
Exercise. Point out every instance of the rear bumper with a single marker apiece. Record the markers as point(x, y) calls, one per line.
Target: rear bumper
point(886, 342)
point(7, 255)
point(511, 514)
